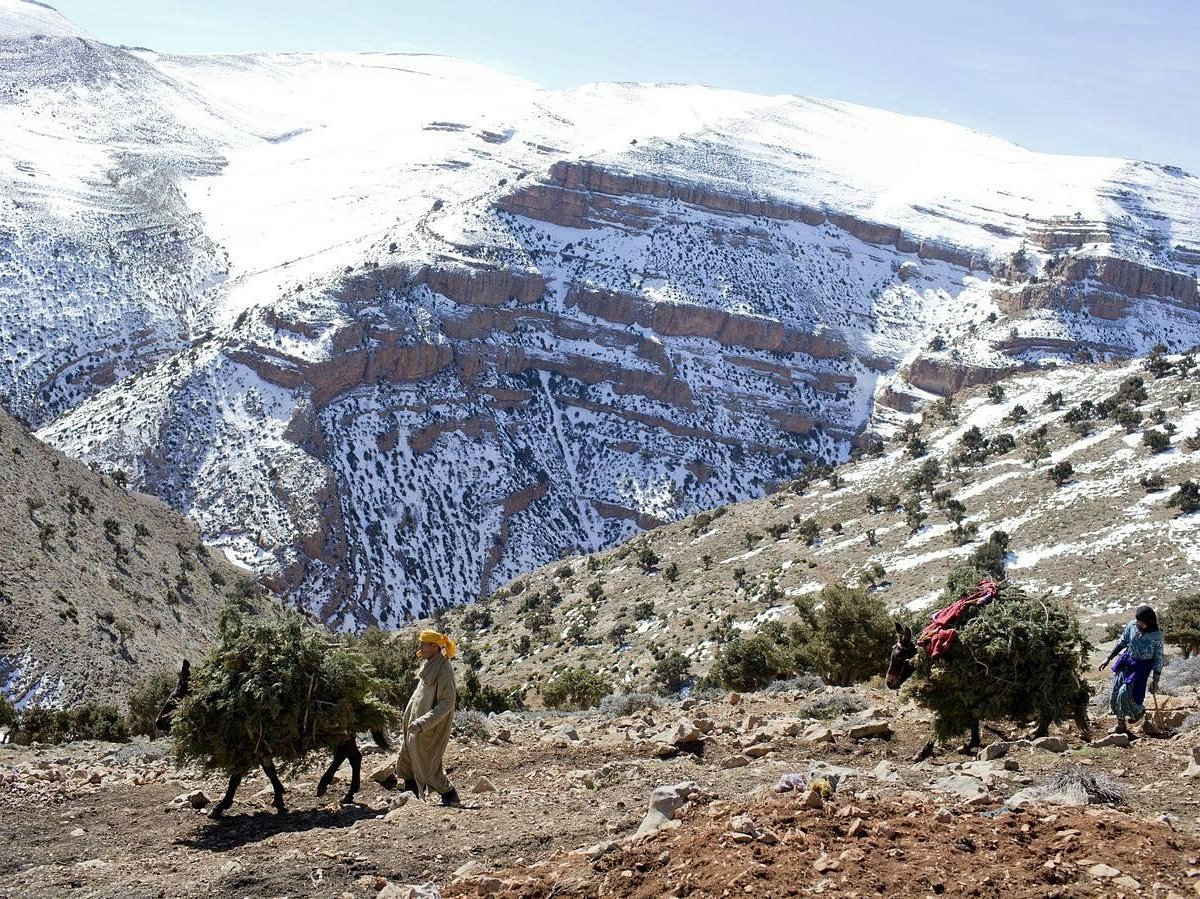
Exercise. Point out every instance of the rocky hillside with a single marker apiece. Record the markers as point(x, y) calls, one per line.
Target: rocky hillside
point(395, 329)
point(99, 586)
point(1104, 540)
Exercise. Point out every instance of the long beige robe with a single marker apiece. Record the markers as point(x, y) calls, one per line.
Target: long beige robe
point(431, 709)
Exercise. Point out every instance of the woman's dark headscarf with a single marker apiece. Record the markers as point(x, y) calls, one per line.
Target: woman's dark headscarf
point(1146, 614)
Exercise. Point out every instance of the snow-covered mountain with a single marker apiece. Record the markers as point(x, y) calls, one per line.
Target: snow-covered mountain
point(394, 327)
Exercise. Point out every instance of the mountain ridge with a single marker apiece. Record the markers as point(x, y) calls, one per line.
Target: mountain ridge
point(408, 329)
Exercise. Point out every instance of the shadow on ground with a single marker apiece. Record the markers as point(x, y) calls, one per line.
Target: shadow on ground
point(233, 831)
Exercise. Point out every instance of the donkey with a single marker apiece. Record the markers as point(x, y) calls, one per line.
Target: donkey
point(345, 747)
point(901, 667)
point(902, 664)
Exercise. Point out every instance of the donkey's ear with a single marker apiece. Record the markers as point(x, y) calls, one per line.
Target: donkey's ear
point(903, 632)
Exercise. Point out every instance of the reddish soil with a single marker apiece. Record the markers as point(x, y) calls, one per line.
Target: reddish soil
point(902, 849)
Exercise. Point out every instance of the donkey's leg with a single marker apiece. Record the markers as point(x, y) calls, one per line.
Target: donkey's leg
point(355, 756)
point(339, 755)
point(268, 766)
point(975, 741)
point(1085, 725)
point(223, 806)
point(926, 752)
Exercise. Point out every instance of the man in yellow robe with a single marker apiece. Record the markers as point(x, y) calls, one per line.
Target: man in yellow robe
point(428, 719)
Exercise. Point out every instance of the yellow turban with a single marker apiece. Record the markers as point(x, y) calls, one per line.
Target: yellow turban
point(441, 640)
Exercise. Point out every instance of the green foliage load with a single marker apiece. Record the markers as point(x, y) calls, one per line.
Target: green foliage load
point(282, 688)
point(575, 688)
point(1181, 624)
point(1019, 657)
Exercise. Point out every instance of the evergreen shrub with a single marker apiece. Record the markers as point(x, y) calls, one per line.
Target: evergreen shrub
point(1181, 624)
point(575, 688)
point(146, 701)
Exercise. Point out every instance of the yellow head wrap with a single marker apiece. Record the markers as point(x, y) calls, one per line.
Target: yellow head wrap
point(441, 640)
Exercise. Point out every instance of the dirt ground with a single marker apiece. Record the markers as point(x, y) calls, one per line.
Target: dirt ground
point(63, 835)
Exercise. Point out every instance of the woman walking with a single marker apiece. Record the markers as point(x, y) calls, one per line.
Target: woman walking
point(1139, 653)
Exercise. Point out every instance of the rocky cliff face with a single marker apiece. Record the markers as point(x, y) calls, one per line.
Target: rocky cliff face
point(436, 348)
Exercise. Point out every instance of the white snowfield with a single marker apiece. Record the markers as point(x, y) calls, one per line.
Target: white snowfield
point(30, 19)
point(161, 214)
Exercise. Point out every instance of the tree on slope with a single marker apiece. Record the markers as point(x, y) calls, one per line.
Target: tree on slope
point(1181, 624)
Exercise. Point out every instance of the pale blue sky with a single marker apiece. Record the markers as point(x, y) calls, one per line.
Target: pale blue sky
point(1074, 76)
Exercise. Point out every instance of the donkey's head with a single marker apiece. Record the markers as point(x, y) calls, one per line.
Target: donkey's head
point(900, 663)
point(162, 724)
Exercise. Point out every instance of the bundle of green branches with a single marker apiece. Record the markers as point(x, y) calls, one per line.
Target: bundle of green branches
point(1020, 657)
point(280, 688)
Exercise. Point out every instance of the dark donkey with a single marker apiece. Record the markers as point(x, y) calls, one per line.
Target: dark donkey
point(344, 746)
point(901, 666)
point(1038, 680)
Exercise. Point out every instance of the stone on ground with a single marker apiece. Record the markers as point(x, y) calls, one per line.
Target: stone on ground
point(961, 785)
point(665, 801)
point(1050, 744)
point(993, 751)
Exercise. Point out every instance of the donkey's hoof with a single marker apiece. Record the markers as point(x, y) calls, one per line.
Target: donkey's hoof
point(216, 812)
point(348, 799)
point(322, 789)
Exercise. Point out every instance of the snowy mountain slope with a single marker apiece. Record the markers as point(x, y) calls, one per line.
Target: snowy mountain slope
point(1105, 541)
point(399, 328)
point(31, 19)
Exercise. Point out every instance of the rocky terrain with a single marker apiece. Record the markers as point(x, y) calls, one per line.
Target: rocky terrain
point(570, 804)
point(1104, 541)
point(391, 360)
point(100, 587)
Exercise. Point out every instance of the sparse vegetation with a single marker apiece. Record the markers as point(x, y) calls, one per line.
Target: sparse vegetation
point(575, 688)
point(1156, 441)
point(1181, 624)
point(473, 695)
point(673, 672)
point(1061, 473)
point(90, 721)
point(146, 699)
point(1187, 498)
point(647, 559)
